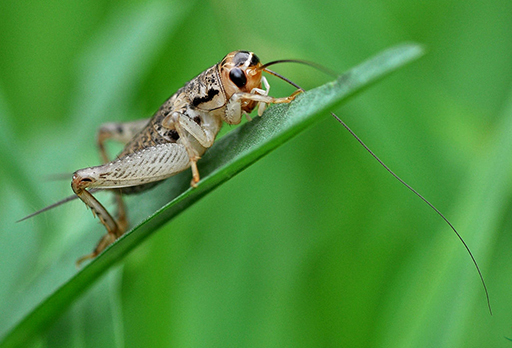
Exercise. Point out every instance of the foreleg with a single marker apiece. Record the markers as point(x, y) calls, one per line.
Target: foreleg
point(234, 106)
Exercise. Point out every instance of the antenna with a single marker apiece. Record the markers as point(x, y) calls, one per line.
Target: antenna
point(319, 67)
point(424, 200)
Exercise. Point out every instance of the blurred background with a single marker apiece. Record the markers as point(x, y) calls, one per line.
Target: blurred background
point(315, 244)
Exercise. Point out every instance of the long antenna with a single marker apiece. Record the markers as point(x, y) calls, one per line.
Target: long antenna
point(424, 200)
point(283, 78)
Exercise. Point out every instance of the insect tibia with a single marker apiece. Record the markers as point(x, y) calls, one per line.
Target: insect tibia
point(424, 200)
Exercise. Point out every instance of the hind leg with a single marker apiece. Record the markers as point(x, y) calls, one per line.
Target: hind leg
point(152, 164)
point(122, 132)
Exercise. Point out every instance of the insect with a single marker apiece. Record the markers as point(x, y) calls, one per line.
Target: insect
point(176, 137)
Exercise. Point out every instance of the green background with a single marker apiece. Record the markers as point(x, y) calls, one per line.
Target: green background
point(315, 244)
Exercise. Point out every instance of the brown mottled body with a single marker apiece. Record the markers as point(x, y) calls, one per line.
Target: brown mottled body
point(175, 138)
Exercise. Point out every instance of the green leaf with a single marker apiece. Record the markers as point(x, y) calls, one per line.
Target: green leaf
point(230, 155)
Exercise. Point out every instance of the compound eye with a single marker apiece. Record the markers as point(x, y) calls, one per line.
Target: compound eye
point(238, 77)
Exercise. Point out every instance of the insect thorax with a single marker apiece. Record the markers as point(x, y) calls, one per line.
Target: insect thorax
point(205, 91)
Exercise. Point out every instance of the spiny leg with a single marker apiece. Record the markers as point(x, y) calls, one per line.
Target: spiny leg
point(113, 231)
point(152, 164)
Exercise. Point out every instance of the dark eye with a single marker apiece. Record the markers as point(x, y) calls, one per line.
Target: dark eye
point(238, 77)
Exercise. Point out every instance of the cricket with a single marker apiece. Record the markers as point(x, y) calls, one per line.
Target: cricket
point(175, 138)
point(180, 132)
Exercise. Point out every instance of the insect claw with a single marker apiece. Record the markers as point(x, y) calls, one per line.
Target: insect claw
point(90, 256)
